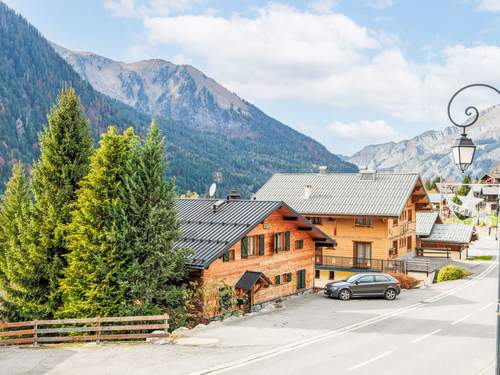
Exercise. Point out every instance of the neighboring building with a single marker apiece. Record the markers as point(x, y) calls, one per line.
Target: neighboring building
point(491, 178)
point(444, 240)
point(371, 216)
point(489, 195)
point(263, 249)
point(439, 203)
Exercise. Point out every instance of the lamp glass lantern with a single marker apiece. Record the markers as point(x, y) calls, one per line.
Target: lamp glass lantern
point(463, 152)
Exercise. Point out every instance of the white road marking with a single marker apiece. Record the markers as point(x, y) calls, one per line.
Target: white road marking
point(371, 360)
point(324, 336)
point(425, 336)
point(462, 319)
point(469, 315)
point(484, 370)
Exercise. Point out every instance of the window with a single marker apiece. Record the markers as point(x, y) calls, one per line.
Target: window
point(228, 256)
point(286, 277)
point(408, 243)
point(282, 241)
point(365, 280)
point(277, 279)
point(316, 220)
point(410, 215)
point(363, 222)
point(395, 222)
point(331, 276)
point(362, 250)
point(252, 245)
point(301, 279)
point(381, 279)
point(316, 274)
point(299, 244)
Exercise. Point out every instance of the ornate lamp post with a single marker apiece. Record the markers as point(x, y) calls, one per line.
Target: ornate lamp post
point(464, 151)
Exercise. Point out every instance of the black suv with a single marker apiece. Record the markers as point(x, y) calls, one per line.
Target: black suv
point(364, 285)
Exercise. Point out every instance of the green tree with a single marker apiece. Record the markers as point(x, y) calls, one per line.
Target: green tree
point(155, 269)
point(21, 289)
point(465, 188)
point(65, 149)
point(96, 234)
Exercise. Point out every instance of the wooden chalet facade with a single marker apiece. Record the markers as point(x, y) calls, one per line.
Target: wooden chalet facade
point(264, 250)
point(442, 240)
point(370, 215)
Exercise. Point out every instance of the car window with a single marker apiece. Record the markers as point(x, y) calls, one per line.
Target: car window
point(381, 279)
point(353, 278)
point(366, 279)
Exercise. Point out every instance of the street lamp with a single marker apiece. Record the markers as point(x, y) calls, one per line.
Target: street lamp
point(464, 151)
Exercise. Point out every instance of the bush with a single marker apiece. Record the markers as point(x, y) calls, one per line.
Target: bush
point(407, 282)
point(452, 273)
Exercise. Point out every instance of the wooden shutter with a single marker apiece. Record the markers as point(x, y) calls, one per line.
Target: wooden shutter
point(301, 279)
point(289, 276)
point(277, 280)
point(261, 244)
point(244, 247)
point(275, 244)
point(225, 256)
point(287, 241)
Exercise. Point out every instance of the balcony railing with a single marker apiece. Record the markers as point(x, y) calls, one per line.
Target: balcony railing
point(368, 264)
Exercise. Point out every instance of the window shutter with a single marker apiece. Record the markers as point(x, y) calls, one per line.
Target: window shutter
point(301, 279)
point(244, 247)
point(261, 244)
point(289, 276)
point(275, 245)
point(287, 241)
point(225, 256)
point(277, 280)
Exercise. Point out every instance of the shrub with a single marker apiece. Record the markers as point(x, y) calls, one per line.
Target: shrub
point(407, 282)
point(452, 273)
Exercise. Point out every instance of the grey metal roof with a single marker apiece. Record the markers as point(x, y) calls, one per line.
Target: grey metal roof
point(450, 233)
point(436, 197)
point(341, 193)
point(209, 234)
point(248, 280)
point(490, 190)
point(425, 222)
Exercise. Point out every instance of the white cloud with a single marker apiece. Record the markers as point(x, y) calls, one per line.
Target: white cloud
point(380, 4)
point(146, 8)
point(364, 131)
point(489, 5)
point(323, 6)
point(282, 53)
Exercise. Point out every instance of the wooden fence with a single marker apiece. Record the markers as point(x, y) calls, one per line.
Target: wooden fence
point(88, 329)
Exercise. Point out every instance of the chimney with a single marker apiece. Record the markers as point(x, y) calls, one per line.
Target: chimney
point(367, 174)
point(323, 169)
point(217, 205)
point(308, 190)
point(234, 194)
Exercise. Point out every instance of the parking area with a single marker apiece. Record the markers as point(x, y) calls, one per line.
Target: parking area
point(299, 318)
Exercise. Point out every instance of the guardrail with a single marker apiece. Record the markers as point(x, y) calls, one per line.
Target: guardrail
point(87, 329)
point(369, 264)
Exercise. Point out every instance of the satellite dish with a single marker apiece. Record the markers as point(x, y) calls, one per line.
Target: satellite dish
point(211, 191)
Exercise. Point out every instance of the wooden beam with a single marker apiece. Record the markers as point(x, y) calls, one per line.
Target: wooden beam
point(304, 229)
point(290, 218)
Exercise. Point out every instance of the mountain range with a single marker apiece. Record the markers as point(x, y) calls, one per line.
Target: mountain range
point(207, 128)
point(430, 153)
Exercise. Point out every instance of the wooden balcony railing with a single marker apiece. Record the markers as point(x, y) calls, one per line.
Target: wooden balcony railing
point(369, 264)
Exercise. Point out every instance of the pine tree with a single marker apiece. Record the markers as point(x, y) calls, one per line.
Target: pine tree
point(20, 284)
point(155, 269)
point(65, 148)
point(95, 235)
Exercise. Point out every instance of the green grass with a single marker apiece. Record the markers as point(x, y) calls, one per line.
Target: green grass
point(481, 257)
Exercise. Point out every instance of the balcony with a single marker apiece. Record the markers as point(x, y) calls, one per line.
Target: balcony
point(359, 264)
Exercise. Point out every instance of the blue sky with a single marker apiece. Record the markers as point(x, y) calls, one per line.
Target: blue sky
point(347, 72)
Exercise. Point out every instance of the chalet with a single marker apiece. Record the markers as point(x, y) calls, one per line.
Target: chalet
point(263, 249)
point(437, 239)
point(491, 178)
point(371, 216)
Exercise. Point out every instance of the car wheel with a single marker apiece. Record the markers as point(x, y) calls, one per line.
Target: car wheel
point(390, 294)
point(345, 294)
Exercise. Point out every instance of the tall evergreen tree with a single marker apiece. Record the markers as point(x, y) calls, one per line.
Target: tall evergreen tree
point(155, 269)
point(95, 235)
point(65, 148)
point(21, 289)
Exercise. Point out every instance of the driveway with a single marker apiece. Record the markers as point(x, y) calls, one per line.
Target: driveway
point(309, 333)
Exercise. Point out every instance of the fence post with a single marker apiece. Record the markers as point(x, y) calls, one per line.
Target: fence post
point(35, 333)
point(98, 333)
point(166, 323)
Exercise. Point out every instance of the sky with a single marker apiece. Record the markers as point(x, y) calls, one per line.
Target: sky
point(349, 73)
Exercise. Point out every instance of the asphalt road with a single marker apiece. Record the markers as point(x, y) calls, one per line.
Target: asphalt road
point(450, 334)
